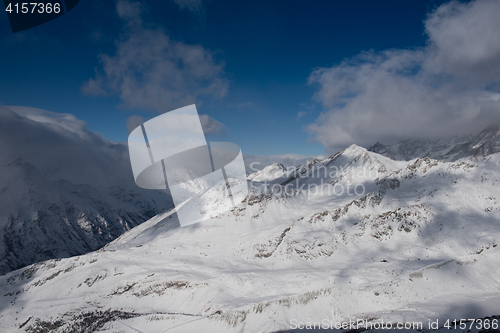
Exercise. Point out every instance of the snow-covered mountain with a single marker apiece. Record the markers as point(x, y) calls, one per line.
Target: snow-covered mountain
point(483, 144)
point(353, 236)
point(64, 190)
point(254, 164)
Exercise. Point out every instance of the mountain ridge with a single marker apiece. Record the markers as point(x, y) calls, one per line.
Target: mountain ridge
point(485, 143)
point(420, 241)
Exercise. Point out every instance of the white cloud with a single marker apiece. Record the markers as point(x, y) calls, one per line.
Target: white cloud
point(130, 12)
point(465, 40)
point(61, 147)
point(61, 122)
point(150, 70)
point(195, 6)
point(212, 126)
point(94, 87)
point(443, 89)
point(301, 114)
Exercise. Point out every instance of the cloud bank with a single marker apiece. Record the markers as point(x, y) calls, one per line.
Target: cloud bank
point(65, 189)
point(449, 87)
point(152, 71)
point(61, 147)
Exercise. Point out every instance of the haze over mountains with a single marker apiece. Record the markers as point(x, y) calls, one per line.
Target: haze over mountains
point(66, 190)
point(356, 235)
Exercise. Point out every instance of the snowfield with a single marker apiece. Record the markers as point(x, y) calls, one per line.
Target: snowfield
point(411, 241)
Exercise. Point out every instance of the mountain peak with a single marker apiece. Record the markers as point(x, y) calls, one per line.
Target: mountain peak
point(270, 173)
point(354, 151)
point(397, 233)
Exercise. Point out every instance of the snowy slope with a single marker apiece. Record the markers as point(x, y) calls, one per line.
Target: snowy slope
point(64, 190)
point(483, 144)
point(419, 242)
point(256, 163)
point(274, 173)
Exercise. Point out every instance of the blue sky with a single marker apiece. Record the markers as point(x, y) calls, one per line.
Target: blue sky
point(261, 54)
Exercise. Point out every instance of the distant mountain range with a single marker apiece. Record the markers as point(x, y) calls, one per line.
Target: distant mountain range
point(483, 144)
point(355, 236)
point(67, 191)
point(399, 233)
